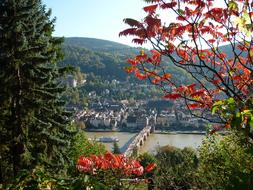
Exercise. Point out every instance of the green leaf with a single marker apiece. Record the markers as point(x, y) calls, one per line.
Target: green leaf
point(181, 11)
point(232, 5)
point(247, 113)
point(216, 105)
point(251, 122)
point(230, 101)
point(214, 108)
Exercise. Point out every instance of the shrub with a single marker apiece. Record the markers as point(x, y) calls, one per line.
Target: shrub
point(226, 162)
point(176, 168)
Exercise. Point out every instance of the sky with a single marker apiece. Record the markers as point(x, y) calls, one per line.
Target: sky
point(102, 19)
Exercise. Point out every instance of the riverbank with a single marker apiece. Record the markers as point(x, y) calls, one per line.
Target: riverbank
point(156, 132)
point(181, 132)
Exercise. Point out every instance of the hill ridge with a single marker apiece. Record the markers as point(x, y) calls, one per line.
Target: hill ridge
point(95, 43)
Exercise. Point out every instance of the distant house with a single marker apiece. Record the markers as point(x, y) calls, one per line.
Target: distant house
point(97, 122)
point(131, 122)
point(137, 122)
point(142, 122)
point(162, 120)
point(107, 122)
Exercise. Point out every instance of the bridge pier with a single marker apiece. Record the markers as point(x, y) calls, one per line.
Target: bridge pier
point(152, 130)
point(140, 142)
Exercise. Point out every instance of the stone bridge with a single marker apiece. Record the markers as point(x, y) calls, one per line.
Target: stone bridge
point(138, 141)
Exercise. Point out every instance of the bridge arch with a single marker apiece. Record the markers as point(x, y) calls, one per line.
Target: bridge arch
point(141, 142)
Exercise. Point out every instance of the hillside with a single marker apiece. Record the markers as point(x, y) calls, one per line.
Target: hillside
point(100, 63)
point(95, 44)
point(103, 58)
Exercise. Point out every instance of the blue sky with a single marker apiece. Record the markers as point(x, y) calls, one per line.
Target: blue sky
point(101, 19)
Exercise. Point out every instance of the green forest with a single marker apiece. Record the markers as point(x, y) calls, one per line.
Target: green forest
point(103, 58)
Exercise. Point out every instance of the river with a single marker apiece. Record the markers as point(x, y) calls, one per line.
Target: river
point(154, 140)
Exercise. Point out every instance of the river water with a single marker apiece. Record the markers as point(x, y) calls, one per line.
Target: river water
point(154, 140)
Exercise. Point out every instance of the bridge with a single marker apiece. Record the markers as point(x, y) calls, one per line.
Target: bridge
point(139, 140)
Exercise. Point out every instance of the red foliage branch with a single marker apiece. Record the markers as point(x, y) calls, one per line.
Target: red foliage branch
point(192, 41)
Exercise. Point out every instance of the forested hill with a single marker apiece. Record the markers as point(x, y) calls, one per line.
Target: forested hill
point(96, 44)
point(105, 59)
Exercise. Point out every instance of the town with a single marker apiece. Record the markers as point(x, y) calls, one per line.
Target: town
point(124, 115)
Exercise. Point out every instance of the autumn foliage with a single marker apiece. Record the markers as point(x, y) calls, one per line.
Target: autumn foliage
point(109, 161)
point(191, 34)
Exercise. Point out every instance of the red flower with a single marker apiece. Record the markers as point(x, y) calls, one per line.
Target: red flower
point(138, 171)
point(135, 163)
point(84, 164)
point(150, 167)
point(109, 161)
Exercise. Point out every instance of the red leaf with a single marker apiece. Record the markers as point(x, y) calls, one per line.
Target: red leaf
point(218, 81)
point(138, 41)
point(181, 62)
point(242, 48)
point(222, 56)
point(193, 106)
point(198, 93)
point(155, 52)
point(166, 76)
point(168, 5)
point(150, 167)
point(181, 18)
point(130, 69)
point(183, 54)
point(237, 77)
point(191, 86)
point(156, 57)
point(150, 9)
point(172, 96)
point(152, 22)
point(132, 22)
point(140, 75)
point(155, 81)
point(211, 41)
point(132, 61)
point(141, 58)
point(129, 31)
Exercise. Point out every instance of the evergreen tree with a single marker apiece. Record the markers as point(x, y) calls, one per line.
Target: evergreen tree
point(35, 127)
